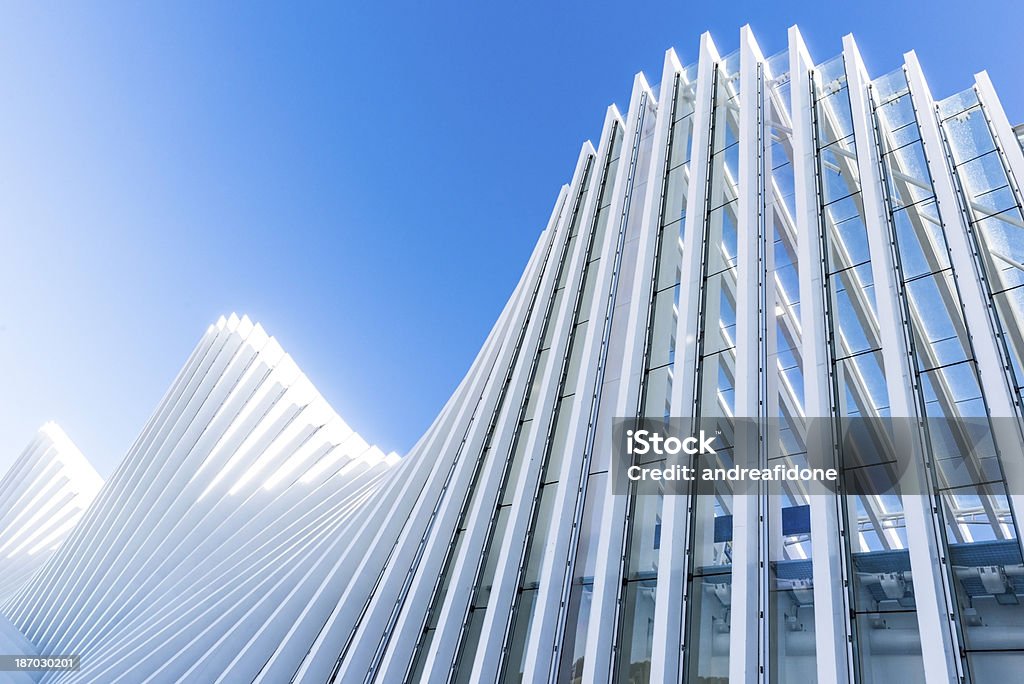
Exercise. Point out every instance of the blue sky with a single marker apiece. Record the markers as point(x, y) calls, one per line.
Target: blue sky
point(367, 181)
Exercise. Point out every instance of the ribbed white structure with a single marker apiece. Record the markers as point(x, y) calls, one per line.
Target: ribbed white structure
point(757, 237)
point(13, 642)
point(205, 538)
point(42, 497)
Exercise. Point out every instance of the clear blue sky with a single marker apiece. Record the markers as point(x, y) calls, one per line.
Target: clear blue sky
point(366, 181)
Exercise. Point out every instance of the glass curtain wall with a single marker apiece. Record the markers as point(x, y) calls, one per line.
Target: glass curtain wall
point(981, 535)
point(470, 632)
point(884, 616)
point(790, 576)
point(593, 489)
point(581, 237)
point(634, 634)
point(554, 447)
point(994, 211)
point(706, 626)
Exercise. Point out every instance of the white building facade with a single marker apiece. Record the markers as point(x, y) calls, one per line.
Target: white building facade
point(774, 237)
point(760, 237)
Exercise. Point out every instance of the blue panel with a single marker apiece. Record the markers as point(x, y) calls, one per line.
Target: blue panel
point(882, 561)
point(723, 529)
point(796, 520)
point(985, 553)
point(793, 569)
point(974, 587)
point(1000, 552)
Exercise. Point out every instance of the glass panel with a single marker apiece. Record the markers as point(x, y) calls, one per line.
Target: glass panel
point(835, 118)
point(890, 86)
point(724, 176)
point(716, 389)
point(848, 243)
point(982, 174)
point(682, 139)
point(896, 114)
point(541, 526)
point(516, 663)
point(968, 135)
point(582, 589)
point(664, 329)
point(720, 313)
point(471, 640)
point(645, 536)
point(434, 615)
point(675, 195)
point(707, 645)
point(1010, 307)
point(862, 389)
point(670, 256)
point(657, 393)
point(543, 358)
point(791, 604)
point(993, 201)
point(557, 453)
point(722, 226)
point(486, 579)
point(853, 306)
point(908, 176)
point(589, 291)
point(832, 75)
point(520, 458)
point(953, 391)
point(839, 176)
point(957, 103)
point(940, 333)
point(575, 359)
point(637, 636)
point(1004, 238)
point(571, 664)
point(919, 235)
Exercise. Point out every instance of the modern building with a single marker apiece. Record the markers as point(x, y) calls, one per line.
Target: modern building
point(42, 498)
point(214, 534)
point(779, 238)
